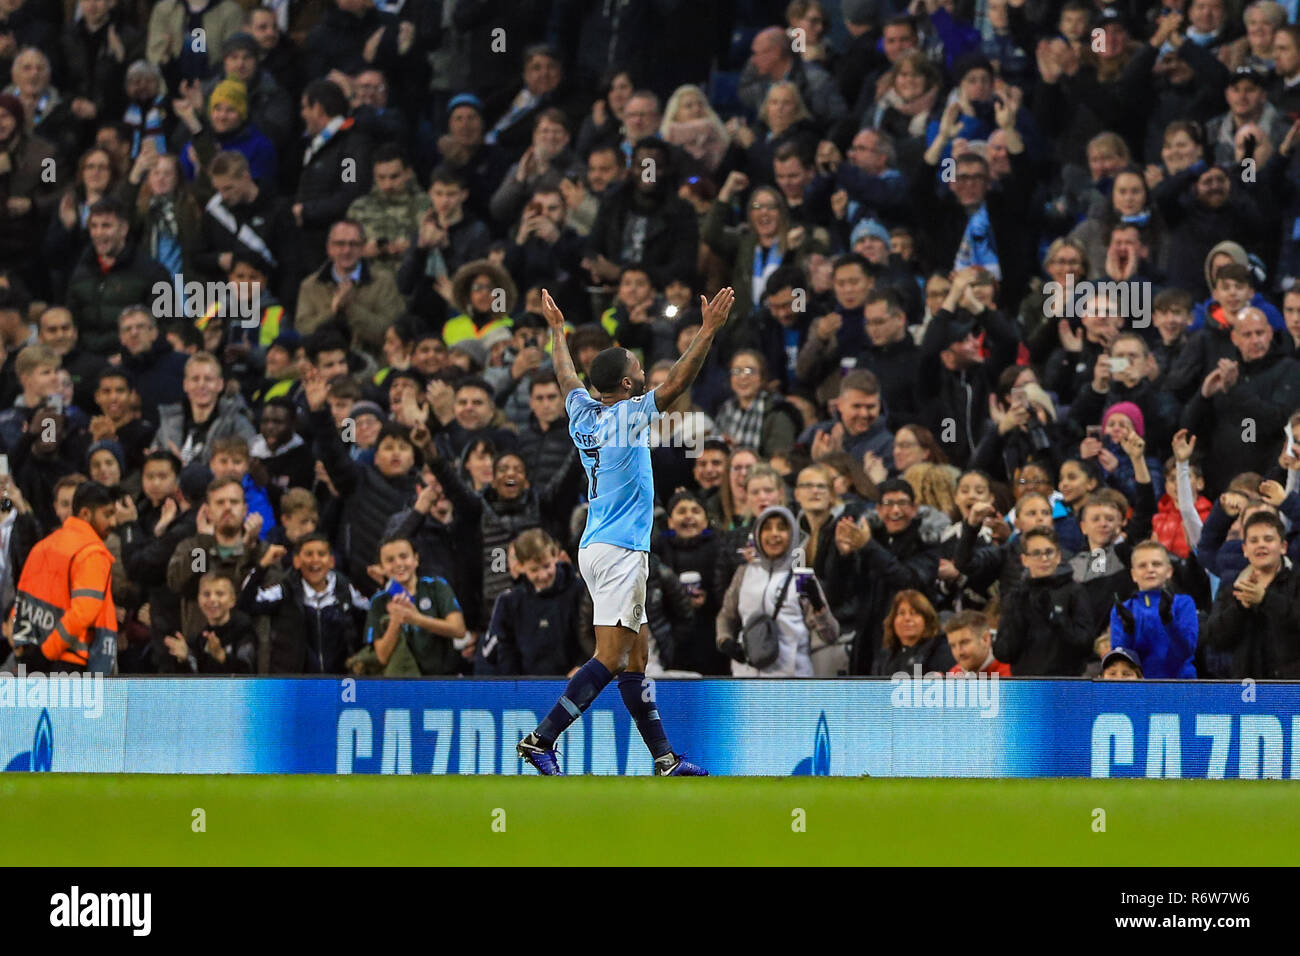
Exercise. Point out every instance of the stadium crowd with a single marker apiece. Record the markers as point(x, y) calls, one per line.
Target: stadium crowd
point(1012, 366)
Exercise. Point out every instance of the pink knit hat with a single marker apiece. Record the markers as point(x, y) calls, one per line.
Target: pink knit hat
point(1129, 410)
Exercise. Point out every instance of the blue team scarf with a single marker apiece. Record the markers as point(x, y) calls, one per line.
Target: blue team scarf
point(978, 247)
point(765, 263)
point(144, 123)
point(1137, 219)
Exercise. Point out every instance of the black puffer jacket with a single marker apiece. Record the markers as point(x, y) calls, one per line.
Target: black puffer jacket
point(96, 298)
point(535, 633)
point(1045, 628)
point(1265, 639)
point(694, 645)
point(502, 520)
point(1266, 393)
point(369, 500)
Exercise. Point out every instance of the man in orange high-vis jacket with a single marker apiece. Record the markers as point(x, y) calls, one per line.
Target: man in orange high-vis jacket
point(64, 618)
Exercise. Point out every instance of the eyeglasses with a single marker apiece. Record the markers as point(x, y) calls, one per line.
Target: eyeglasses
point(744, 370)
point(812, 486)
point(1041, 553)
point(971, 177)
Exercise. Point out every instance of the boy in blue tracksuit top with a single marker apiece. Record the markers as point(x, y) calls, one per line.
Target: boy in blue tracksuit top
point(1160, 625)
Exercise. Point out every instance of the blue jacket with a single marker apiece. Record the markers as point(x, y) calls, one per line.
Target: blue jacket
point(1165, 652)
point(259, 503)
point(1275, 318)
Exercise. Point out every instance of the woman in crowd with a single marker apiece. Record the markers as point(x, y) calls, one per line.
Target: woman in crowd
point(767, 586)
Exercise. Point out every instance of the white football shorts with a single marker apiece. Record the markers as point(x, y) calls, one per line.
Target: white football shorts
point(616, 579)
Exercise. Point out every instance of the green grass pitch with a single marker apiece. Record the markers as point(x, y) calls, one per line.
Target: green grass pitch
point(422, 820)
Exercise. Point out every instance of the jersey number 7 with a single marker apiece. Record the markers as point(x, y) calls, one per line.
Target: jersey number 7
point(594, 455)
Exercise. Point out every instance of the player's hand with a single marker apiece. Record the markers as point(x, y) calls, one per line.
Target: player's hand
point(551, 311)
point(715, 312)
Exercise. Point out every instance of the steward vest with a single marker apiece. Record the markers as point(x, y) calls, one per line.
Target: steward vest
point(65, 602)
point(462, 327)
point(268, 326)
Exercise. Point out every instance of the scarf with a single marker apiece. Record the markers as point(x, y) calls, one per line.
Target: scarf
point(766, 262)
point(978, 245)
point(44, 104)
point(164, 233)
point(744, 426)
point(523, 102)
point(1138, 218)
point(318, 142)
point(242, 232)
point(144, 123)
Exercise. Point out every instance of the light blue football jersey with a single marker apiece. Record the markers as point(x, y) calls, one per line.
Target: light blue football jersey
point(614, 444)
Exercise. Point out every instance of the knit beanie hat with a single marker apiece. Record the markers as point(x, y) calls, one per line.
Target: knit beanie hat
point(234, 94)
point(1133, 413)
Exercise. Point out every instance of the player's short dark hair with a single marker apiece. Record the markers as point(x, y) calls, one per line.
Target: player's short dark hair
point(608, 368)
point(92, 495)
point(717, 444)
point(853, 259)
point(109, 206)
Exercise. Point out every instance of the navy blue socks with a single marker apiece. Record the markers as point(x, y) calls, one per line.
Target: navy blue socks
point(584, 687)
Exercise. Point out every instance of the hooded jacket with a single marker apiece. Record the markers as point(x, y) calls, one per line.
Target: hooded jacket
point(230, 417)
point(753, 593)
point(1046, 627)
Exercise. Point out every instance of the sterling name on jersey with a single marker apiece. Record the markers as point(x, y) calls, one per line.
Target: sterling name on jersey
point(614, 444)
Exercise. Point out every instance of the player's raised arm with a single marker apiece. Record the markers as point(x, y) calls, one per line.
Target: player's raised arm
point(683, 373)
point(560, 357)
